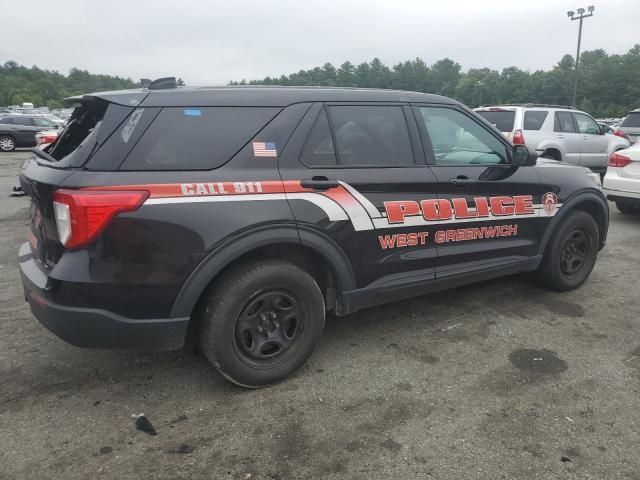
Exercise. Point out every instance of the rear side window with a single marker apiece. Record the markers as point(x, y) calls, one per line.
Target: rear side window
point(564, 123)
point(632, 120)
point(196, 138)
point(533, 119)
point(6, 121)
point(502, 120)
point(375, 136)
point(24, 121)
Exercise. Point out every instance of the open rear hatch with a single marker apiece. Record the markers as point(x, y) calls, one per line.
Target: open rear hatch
point(93, 120)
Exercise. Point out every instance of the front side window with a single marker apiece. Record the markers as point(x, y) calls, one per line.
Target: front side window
point(371, 135)
point(586, 124)
point(564, 123)
point(456, 139)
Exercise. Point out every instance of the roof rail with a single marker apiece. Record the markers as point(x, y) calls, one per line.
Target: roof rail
point(165, 82)
point(529, 105)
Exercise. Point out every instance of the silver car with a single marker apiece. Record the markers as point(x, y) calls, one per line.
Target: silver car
point(557, 132)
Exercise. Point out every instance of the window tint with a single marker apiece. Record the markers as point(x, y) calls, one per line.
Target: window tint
point(24, 121)
point(6, 121)
point(43, 122)
point(632, 120)
point(196, 138)
point(371, 135)
point(502, 120)
point(318, 149)
point(458, 140)
point(586, 124)
point(564, 123)
point(533, 119)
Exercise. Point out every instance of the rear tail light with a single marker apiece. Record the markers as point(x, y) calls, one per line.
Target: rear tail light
point(82, 214)
point(620, 133)
point(46, 139)
point(617, 160)
point(518, 137)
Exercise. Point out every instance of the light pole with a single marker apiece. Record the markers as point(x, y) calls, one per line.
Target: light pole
point(479, 84)
point(581, 16)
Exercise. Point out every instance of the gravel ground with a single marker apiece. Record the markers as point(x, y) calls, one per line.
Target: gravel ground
point(497, 380)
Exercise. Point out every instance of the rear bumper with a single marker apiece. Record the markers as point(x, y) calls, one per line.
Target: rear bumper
point(616, 186)
point(95, 328)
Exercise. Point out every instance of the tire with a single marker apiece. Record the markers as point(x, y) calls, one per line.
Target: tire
point(261, 321)
point(626, 207)
point(566, 267)
point(7, 143)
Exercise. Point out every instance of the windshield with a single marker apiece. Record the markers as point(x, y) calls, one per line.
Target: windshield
point(501, 119)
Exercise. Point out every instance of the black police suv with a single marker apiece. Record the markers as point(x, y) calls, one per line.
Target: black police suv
point(239, 216)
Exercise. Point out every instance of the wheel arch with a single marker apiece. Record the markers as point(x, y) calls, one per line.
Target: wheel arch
point(589, 202)
point(546, 146)
point(301, 247)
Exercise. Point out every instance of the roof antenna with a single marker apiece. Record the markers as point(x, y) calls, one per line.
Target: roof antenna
point(160, 83)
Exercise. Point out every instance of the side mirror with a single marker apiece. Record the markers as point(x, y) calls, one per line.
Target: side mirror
point(522, 157)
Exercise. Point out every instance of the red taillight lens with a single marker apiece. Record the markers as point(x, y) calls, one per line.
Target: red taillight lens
point(617, 160)
point(82, 214)
point(619, 133)
point(46, 139)
point(518, 137)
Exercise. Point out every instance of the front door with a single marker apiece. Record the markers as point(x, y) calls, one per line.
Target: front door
point(490, 213)
point(355, 173)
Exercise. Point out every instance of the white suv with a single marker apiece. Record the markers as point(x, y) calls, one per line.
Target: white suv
point(558, 132)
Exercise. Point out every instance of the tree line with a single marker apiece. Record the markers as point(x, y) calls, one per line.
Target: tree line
point(20, 84)
point(609, 85)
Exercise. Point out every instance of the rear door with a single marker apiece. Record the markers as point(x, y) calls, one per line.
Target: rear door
point(566, 132)
point(594, 142)
point(490, 215)
point(25, 131)
point(356, 174)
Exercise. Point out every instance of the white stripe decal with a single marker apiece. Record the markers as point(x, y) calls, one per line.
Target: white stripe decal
point(369, 207)
point(214, 198)
point(334, 211)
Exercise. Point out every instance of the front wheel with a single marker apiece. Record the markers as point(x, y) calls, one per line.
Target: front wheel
point(571, 252)
point(261, 322)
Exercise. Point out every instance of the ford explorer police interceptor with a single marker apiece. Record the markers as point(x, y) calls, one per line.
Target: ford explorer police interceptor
point(239, 216)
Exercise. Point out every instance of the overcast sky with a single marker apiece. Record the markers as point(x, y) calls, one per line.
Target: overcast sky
point(212, 42)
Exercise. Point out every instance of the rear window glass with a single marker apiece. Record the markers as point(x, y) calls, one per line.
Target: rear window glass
point(632, 120)
point(502, 120)
point(196, 138)
point(533, 119)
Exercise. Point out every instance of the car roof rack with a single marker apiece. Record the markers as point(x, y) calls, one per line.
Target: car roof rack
point(161, 83)
point(530, 105)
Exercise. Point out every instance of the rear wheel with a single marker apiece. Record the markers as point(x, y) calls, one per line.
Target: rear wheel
point(626, 206)
point(571, 253)
point(261, 322)
point(7, 143)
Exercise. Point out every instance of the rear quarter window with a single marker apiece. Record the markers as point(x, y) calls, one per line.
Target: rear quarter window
point(533, 119)
point(196, 138)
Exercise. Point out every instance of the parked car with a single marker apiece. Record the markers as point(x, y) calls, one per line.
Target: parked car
point(556, 132)
point(18, 130)
point(622, 181)
point(238, 216)
point(630, 126)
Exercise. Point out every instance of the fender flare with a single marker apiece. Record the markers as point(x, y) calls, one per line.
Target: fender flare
point(568, 207)
point(233, 248)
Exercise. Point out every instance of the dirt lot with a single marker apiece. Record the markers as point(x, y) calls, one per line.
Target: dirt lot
point(497, 380)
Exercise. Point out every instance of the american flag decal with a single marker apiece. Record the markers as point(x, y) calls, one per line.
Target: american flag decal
point(264, 149)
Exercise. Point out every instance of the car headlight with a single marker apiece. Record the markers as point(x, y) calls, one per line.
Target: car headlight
point(595, 177)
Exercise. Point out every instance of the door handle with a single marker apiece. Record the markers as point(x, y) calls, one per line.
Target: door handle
point(559, 136)
point(319, 183)
point(462, 180)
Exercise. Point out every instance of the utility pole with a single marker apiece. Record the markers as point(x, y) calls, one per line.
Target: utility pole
point(581, 16)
